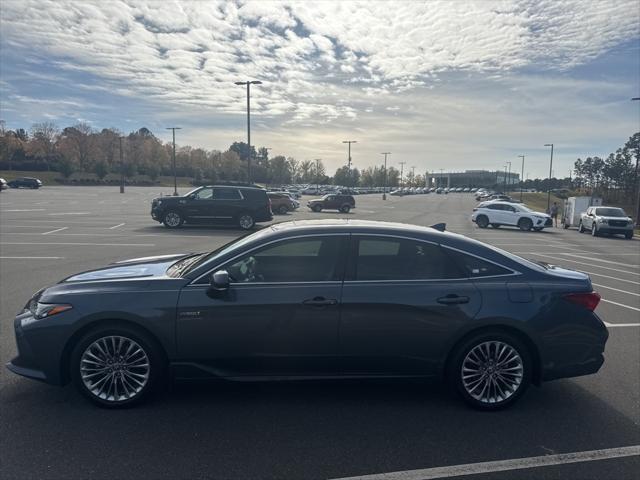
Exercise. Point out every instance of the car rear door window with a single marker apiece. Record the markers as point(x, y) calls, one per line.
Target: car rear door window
point(312, 259)
point(223, 193)
point(474, 267)
point(204, 194)
point(380, 258)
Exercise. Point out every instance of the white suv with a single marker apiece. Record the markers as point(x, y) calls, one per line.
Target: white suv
point(497, 214)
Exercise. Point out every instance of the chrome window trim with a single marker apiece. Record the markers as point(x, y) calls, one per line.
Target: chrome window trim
point(275, 284)
point(209, 272)
point(513, 272)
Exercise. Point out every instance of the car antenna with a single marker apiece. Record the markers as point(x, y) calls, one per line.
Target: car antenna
point(441, 227)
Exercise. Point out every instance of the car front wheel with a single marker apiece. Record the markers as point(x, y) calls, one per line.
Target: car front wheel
point(282, 209)
point(491, 370)
point(172, 220)
point(345, 209)
point(628, 235)
point(482, 221)
point(115, 366)
point(525, 224)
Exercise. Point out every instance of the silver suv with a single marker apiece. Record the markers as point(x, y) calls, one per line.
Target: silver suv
point(611, 220)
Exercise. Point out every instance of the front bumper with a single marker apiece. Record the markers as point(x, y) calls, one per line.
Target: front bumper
point(611, 230)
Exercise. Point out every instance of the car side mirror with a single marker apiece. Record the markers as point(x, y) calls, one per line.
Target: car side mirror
point(219, 281)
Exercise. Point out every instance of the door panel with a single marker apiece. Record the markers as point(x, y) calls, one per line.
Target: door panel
point(260, 329)
point(396, 328)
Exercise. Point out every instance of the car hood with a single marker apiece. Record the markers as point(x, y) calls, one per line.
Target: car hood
point(133, 268)
point(539, 214)
point(316, 200)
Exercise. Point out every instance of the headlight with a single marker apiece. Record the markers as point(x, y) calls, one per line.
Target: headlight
point(602, 220)
point(43, 310)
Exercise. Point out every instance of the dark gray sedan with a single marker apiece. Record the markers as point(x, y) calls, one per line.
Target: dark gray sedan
point(316, 299)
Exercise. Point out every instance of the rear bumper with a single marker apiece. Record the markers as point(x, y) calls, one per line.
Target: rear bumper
point(588, 367)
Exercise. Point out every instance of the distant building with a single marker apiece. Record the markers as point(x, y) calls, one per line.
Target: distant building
point(476, 178)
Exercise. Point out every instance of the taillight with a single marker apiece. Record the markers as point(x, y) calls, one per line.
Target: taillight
point(588, 300)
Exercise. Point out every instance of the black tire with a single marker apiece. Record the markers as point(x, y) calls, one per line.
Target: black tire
point(495, 225)
point(172, 219)
point(245, 221)
point(538, 229)
point(594, 230)
point(482, 221)
point(525, 224)
point(282, 209)
point(316, 208)
point(152, 355)
point(628, 235)
point(580, 227)
point(457, 361)
point(345, 209)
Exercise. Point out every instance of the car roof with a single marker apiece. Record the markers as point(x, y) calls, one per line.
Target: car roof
point(353, 226)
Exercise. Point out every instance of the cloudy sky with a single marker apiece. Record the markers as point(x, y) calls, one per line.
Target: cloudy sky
point(447, 85)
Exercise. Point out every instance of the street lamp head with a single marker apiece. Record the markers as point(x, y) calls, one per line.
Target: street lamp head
point(255, 82)
point(240, 83)
point(349, 141)
point(548, 144)
point(174, 128)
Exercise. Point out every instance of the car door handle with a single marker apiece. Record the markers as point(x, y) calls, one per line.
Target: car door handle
point(453, 299)
point(320, 301)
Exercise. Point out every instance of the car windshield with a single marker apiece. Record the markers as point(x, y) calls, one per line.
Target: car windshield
point(610, 212)
point(223, 250)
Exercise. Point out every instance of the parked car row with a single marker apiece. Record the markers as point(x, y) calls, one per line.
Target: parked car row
point(21, 182)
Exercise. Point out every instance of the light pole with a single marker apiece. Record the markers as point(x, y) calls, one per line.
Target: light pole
point(384, 190)
point(521, 176)
point(349, 159)
point(248, 85)
point(401, 173)
point(505, 179)
point(121, 166)
point(318, 160)
point(175, 178)
point(440, 180)
point(550, 170)
point(509, 177)
point(637, 183)
point(413, 175)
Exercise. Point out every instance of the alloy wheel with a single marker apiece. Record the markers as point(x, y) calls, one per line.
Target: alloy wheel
point(172, 219)
point(492, 372)
point(246, 222)
point(115, 368)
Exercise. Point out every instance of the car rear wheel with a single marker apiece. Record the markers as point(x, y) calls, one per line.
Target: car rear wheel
point(115, 366)
point(482, 221)
point(525, 224)
point(246, 221)
point(580, 228)
point(491, 370)
point(345, 209)
point(172, 220)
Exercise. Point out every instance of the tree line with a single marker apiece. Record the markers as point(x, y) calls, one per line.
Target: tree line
point(82, 149)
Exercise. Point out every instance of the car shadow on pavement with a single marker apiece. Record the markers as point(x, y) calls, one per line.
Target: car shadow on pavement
point(295, 430)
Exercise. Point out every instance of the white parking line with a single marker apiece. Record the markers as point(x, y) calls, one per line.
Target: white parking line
point(503, 465)
point(90, 244)
point(616, 325)
point(620, 304)
point(616, 289)
point(597, 259)
point(32, 258)
point(69, 213)
point(25, 210)
point(56, 230)
point(592, 273)
point(116, 226)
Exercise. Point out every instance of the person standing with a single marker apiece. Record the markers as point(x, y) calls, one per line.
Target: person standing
point(553, 211)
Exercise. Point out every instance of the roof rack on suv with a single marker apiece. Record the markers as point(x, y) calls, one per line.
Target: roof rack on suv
point(234, 184)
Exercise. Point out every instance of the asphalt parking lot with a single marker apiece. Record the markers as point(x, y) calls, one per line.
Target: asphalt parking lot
point(304, 430)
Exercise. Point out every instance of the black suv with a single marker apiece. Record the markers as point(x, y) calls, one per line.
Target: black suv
point(239, 205)
point(343, 203)
point(25, 182)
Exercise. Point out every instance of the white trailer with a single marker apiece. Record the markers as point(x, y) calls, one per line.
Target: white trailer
point(574, 207)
